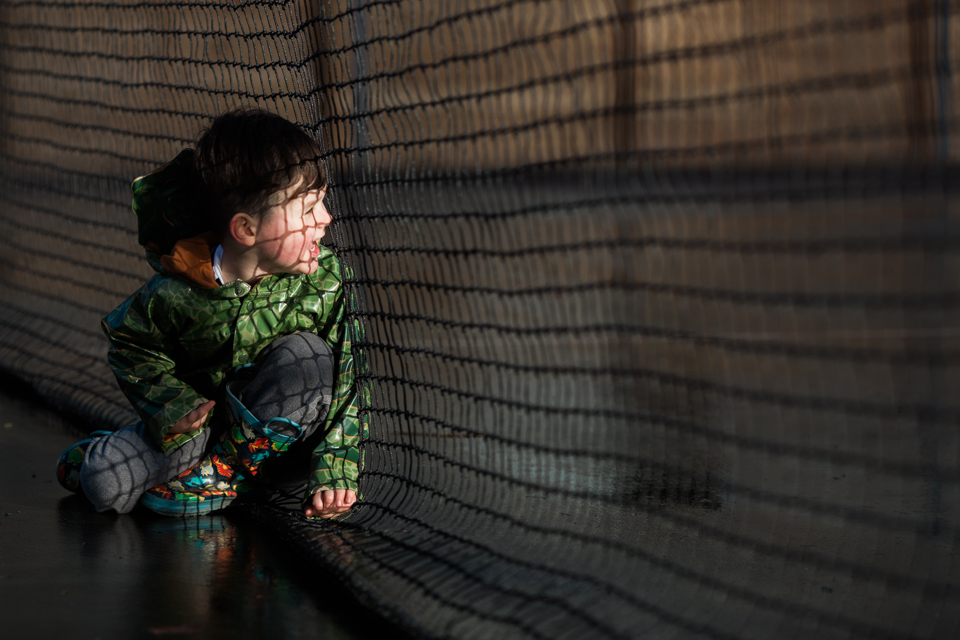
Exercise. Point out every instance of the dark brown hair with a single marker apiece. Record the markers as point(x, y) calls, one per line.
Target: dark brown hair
point(247, 158)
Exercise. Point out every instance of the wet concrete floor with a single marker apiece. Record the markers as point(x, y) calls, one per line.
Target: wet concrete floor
point(68, 571)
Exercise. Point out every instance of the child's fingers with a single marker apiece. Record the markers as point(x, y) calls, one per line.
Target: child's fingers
point(344, 500)
point(198, 414)
point(327, 504)
point(315, 506)
point(193, 420)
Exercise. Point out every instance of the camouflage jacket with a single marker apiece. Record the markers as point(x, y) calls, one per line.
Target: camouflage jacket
point(174, 341)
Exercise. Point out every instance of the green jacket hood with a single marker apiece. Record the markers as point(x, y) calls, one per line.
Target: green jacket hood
point(172, 224)
point(170, 207)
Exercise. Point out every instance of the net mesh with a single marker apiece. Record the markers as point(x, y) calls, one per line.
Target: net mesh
point(659, 297)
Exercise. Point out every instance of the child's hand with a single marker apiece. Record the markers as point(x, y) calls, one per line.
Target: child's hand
point(327, 504)
point(193, 420)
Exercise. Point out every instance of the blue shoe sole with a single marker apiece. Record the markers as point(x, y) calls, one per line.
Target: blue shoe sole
point(185, 508)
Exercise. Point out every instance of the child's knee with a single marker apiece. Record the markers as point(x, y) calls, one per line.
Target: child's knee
point(306, 354)
point(103, 484)
point(297, 347)
point(294, 379)
point(115, 468)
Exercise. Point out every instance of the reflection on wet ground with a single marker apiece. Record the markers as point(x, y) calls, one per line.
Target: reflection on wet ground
point(66, 570)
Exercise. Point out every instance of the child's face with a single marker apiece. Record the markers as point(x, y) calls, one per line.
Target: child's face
point(288, 234)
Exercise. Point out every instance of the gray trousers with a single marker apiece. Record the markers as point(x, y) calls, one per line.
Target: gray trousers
point(294, 380)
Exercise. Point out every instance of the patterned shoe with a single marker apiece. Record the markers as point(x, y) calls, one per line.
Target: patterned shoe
point(167, 501)
point(229, 469)
point(68, 466)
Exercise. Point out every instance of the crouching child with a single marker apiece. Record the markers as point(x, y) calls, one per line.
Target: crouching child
point(236, 352)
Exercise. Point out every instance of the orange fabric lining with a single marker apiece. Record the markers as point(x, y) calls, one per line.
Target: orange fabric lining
point(190, 259)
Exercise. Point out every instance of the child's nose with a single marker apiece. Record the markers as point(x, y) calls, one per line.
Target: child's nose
point(321, 215)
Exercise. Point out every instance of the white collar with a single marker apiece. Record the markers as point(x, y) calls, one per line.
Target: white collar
point(217, 259)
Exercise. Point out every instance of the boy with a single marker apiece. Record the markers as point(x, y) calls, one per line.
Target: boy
point(237, 348)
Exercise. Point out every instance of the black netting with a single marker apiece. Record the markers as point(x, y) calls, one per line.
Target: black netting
point(660, 298)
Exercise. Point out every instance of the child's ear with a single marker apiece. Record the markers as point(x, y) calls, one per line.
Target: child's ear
point(243, 229)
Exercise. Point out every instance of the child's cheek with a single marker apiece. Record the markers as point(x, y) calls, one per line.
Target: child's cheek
point(291, 248)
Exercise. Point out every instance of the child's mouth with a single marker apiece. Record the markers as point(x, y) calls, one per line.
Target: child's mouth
point(315, 249)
